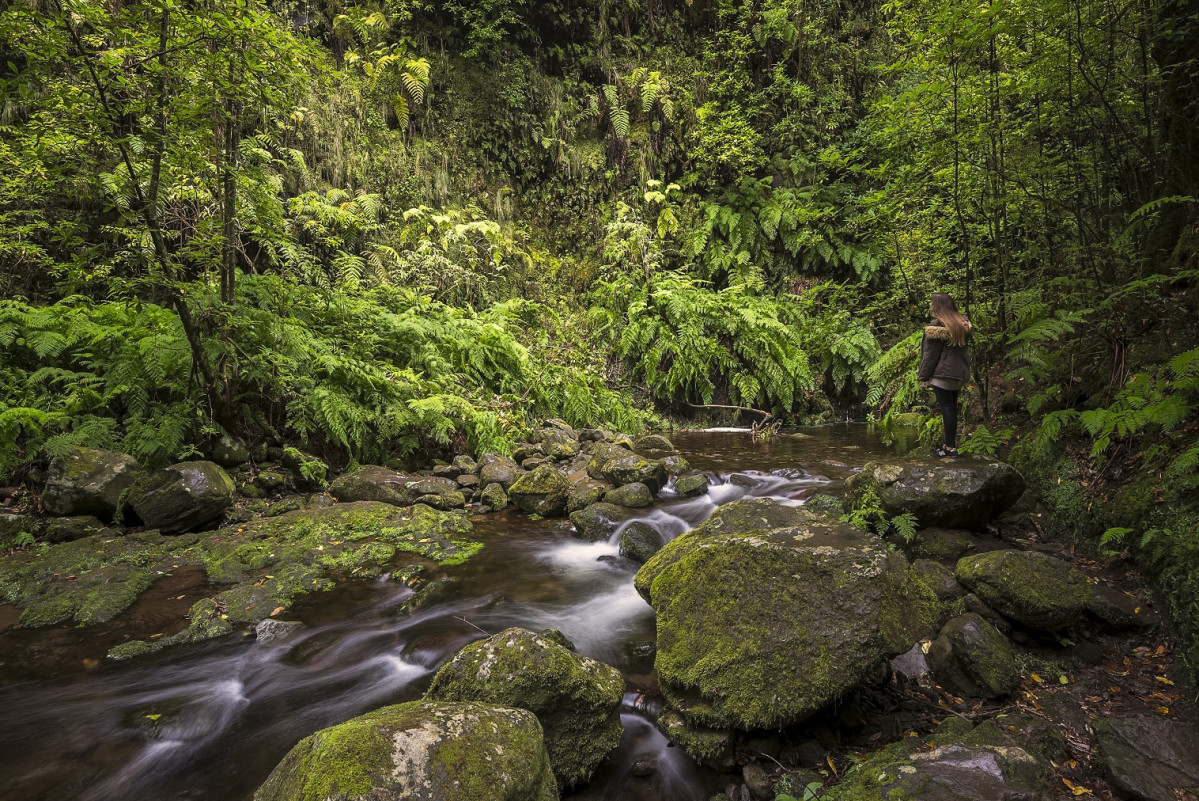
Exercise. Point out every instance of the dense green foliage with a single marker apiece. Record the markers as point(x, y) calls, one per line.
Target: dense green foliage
point(386, 228)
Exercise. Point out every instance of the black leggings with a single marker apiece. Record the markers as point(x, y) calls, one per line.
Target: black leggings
point(947, 399)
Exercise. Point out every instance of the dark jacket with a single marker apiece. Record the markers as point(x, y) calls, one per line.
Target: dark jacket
point(939, 359)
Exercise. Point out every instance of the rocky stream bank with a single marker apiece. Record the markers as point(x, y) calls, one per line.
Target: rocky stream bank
point(795, 655)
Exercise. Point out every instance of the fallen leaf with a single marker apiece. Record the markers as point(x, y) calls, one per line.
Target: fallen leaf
point(1035, 677)
point(1076, 789)
point(155, 636)
point(1164, 680)
point(276, 610)
point(1163, 710)
point(153, 717)
point(224, 617)
point(831, 766)
point(180, 597)
point(426, 539)
point(1063, 680)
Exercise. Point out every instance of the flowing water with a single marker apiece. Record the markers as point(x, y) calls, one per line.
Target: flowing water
point(211, 721)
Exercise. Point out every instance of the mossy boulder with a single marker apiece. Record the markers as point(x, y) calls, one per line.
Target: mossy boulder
point(1032, 588)
point(618, 466)
point(761, 627)
point(972, 658)
point(375, 483)
point(230, 451)
point(691, 486)
point(576, 699)
point(639, 541)
point(66, 529)
point(558, 444)
point(183, 496)
point(494, 496)
point(633, 496)
point(585, 492)
point(598, 521)
point(963, 493)
point(307, 472)
point(750, 515)
point(1149, 756)
point(956, 763)
point(653, 443)
point(711, 747)
point(419, 751)
point(85, 481)
point(497, 469)
point(541, 491)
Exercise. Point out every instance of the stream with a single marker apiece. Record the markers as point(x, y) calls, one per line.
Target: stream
point(211, 721)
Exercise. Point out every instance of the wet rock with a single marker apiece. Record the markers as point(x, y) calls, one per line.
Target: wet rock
point(272, 630)
point(750, 515)
point(675, 464)
point(585, 492)
point(912, 664)
point(1120, 610)
point(645, 765)
point(954, 763)
point(542, 492)
point(467, 481)
point(533, 462)
point(496, 469)
point(795, 783)
point(561, 425)
point(307, 472)
point(1149, 757)
point(446, 471)
point(270, 482)
point(598, 521)
point(419, 750)
point(464, 464)
point(759, 627)
point(978, 606)
point(494, 496)
point(65, 529)
point(230, 451)
point(288, 503)
point(691, 486)
point(1040, 591)
point(445, 500)
point(963, 493)
point(639, 541)
point(558, 445)
point(85, 481)
point(653, 443)
point(594, 435)
point(711, 747)
point(619, 466)
point(183, 496)
point(939, 579)
point(576, 699)
point(758, 780)
point(942, 544)
point(374, 483)
point(526, 451)
point(824, 505)
point(558, 638)
point(972, 658)
point(633, 496)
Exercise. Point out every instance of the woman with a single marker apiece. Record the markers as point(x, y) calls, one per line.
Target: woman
point(945, 364)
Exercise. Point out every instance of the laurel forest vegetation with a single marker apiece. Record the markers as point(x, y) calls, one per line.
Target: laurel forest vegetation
point(391, 229)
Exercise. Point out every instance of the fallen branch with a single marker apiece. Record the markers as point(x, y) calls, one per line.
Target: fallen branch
point(765, 415)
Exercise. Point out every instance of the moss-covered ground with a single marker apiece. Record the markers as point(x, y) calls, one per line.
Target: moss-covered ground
point(267, 562)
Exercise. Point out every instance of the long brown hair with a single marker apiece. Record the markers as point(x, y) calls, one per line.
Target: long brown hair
point(945, 310)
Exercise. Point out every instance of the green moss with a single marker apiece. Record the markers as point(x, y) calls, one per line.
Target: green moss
point(1031, 588)
point(340, 762)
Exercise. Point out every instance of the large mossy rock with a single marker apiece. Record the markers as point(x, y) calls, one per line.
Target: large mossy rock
point(965, 492)
point(1035, 589)
point(598, 521)
point(374, 483)
point(183, 496)
point(576, 699)
point(541, 491)
point(1148, 757)
point(619, 466)
point(760, 626)
point(971, 657)
point(497, 469)
point(85, 481)
point(995, 761)
point(419, 751)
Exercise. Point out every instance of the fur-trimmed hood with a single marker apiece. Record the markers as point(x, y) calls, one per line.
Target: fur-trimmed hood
point(937, 330)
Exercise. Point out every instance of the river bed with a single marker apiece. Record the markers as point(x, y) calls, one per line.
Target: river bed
point(211, 721)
